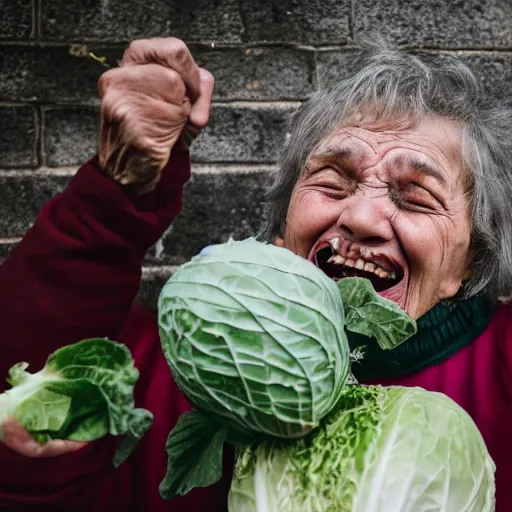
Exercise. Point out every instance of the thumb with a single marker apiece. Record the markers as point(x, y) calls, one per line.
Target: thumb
point(17, 439)
point(200, 111)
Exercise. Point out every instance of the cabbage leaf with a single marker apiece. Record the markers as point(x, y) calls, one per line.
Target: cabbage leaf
point(84, 392)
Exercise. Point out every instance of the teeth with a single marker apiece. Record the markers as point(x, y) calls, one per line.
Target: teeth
point(369, 267)
point(360, 264)
point(336, 259)
point(335, 244)
point(366, 253)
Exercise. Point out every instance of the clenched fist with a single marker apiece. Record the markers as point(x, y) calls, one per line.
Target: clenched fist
point(156, 94)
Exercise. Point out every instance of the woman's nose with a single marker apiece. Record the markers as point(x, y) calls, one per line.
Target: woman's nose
point(366, 219)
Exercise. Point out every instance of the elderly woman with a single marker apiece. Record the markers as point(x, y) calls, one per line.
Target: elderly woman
point(400, 174)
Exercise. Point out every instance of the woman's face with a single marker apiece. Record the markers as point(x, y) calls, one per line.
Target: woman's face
point(390, 205)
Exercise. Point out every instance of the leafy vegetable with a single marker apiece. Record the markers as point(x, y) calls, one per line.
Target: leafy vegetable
point(84, 392)
point(370, 314)
point(255, 337)
point(203, 441)
point(383, 449)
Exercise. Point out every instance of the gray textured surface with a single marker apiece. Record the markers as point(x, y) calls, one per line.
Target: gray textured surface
point(22, 198)
point(50, 73)
point(112, 20)
point(267, 56)
point(217, 206)
point(70, 135)
point(259, 73)
point(292, 21)
point(243, 134)
point(437, 23)
point(19, 137)
point(16, 19)
point(116, 20)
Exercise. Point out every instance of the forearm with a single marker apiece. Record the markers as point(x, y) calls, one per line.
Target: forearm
point(76, 272)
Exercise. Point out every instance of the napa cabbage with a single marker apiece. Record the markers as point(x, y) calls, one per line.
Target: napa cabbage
point(383, 449)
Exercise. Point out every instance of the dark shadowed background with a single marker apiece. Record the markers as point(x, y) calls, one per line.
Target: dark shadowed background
point(267, 57)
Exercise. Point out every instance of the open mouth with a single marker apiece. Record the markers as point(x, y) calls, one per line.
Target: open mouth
point(382, 276)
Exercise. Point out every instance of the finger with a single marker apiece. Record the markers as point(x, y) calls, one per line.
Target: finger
point(148, 80)
point(139, 117)
point(170, 52)
point(125, 130)
point(200, 112)
point(16, 438)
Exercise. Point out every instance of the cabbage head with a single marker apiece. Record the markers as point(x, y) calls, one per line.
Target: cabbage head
point(384, 449)
point(254, 337)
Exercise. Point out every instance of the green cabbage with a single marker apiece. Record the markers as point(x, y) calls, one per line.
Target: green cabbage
point(256, 337)
point(391, 449)
point(84, 392)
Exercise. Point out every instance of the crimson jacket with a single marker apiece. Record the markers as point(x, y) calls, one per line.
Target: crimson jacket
point(75, 275)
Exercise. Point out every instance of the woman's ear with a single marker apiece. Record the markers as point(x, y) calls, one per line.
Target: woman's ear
point(279, 242)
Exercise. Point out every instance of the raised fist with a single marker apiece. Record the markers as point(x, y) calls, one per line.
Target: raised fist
point(156, 95)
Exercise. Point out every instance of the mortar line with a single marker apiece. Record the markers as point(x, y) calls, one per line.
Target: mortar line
point(351, 18)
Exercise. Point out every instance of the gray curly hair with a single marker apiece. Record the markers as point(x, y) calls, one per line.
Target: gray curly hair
point(399, 86)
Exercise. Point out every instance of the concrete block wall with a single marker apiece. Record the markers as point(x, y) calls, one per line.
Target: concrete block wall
point(267, 57)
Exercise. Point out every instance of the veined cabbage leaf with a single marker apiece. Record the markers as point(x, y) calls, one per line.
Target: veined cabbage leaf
point(84, 392)
point(383, 449)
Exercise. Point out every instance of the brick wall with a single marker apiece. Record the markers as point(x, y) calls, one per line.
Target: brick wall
point(267, 57)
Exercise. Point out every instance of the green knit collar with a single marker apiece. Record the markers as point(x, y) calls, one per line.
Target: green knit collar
point(442, 332)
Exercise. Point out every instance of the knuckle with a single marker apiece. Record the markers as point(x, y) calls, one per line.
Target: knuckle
point(179, 50)
point(135, 47)
point(107, 103)
point(207, 79)
point(178, 45)
point(105, 81)
point(175, 83)
point(115, 107)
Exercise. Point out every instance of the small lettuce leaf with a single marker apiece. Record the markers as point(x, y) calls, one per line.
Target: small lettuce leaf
point(194, 450)
point(84, 392)
point(369, 314)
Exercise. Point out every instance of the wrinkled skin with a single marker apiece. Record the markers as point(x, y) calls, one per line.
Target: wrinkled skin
point(157, 91)
point(370, 187)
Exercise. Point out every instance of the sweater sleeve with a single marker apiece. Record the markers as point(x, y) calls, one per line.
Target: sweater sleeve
point(75, 275)
point(77, 271)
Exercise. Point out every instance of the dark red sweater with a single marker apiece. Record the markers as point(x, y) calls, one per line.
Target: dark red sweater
point(75, 275)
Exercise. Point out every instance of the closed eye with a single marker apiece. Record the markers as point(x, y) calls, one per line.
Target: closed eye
point(333, 191)
point(415, 196)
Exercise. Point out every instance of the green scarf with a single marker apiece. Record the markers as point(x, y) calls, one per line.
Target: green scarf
point(442, 332)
